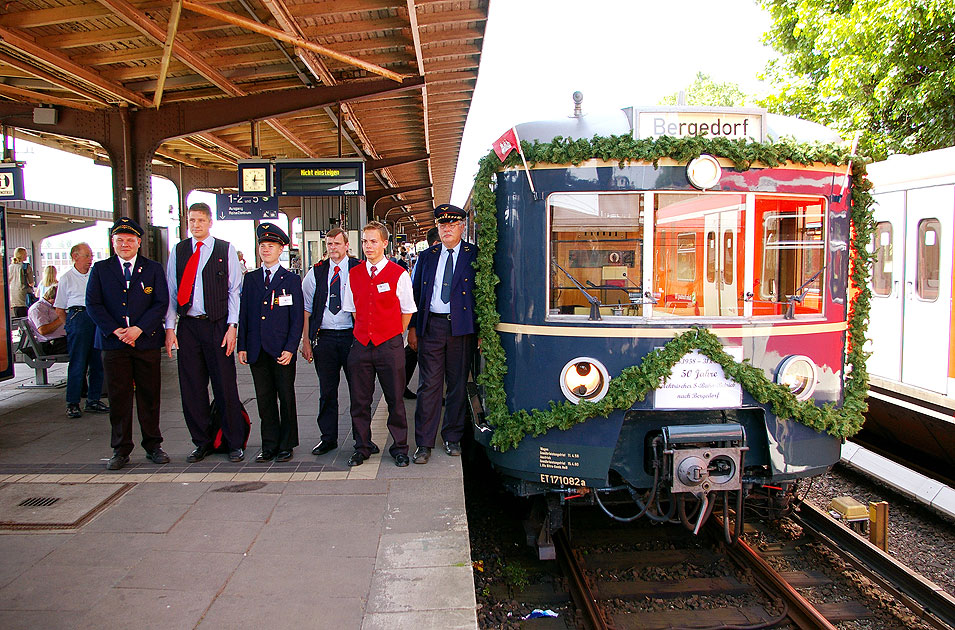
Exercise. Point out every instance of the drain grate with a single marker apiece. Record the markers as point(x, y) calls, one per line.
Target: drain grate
point(242, 487)
point(38, 502)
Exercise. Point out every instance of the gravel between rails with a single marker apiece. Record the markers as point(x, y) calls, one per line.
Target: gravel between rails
point(918, 537)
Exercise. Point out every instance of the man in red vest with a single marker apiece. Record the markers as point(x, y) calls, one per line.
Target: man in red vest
point(379, 293)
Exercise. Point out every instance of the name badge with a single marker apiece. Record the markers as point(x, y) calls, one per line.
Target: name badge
point(383, 287)
point(285, 300)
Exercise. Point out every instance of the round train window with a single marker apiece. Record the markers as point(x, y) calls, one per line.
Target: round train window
point(584, 378)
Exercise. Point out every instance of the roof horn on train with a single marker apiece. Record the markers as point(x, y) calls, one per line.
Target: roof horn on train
point(578, 99)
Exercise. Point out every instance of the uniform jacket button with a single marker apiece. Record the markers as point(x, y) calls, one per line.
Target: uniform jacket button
point(263, 317)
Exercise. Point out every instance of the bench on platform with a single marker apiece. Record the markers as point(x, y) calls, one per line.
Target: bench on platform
point(30, 351)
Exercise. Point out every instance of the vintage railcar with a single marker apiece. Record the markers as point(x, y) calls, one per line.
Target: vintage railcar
point(602, 263)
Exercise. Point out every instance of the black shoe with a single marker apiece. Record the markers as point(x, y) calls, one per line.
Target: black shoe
point(421, 455)
point(324, 446)
point(265, 456)
point(453, 449)
point(158, 456)
point(236, 455)
point(197, 455)
point(117, 461)
point(96, 406)
point(410, 395)
point(401, 460)
point(374, 449)
point(283, 456)
point(356, 459)
point(73, 411)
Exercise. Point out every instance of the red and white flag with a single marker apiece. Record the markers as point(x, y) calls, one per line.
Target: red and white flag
point(506, 143)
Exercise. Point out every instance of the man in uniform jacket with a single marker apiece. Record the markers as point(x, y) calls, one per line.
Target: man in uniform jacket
point(443, 331)
point(204, 278)
point(270, 325)
point(327, 332)
point(126, 297)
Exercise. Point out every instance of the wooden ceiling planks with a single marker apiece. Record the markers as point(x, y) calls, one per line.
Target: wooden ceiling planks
point(92, 54)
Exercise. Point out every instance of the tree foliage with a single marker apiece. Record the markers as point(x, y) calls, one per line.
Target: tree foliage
point(885, 68)
point(706, 92)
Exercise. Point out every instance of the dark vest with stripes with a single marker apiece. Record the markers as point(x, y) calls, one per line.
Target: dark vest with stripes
point(215, 278)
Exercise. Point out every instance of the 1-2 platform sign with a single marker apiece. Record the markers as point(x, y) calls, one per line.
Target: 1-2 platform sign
point(253, 207)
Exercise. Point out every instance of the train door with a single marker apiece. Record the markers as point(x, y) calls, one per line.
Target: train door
point(720, 252)
point(885, 315)
point(928, 287)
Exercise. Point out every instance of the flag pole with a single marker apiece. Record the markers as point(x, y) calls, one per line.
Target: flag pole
point(526, 167)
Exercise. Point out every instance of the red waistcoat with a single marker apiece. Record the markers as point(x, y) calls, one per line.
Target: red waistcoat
point(377, 313)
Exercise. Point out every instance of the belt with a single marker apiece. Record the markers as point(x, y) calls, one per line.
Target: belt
point(76, 309)
point(197, 316)
point(336, 331)
point(446, 316)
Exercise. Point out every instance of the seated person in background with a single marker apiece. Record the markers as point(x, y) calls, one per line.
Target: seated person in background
point(48, 327)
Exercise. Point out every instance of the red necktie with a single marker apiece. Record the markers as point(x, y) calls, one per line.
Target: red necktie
point(188, 282)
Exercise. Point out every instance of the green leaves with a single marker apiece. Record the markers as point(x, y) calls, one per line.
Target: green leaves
point(635, 382)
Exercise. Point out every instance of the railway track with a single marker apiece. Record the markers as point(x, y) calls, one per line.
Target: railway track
point(622, 578)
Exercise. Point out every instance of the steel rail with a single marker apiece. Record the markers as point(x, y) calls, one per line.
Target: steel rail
point(924, 598)
point(580, 588)
point(802, 613)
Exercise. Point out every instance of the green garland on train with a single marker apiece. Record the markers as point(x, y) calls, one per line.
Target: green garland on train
point(635, 382)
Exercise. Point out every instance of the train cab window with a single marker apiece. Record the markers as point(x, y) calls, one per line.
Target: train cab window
point(596, 246)
point(882, 266)
point(790, 256)
point(927, 261)
point(698, 254)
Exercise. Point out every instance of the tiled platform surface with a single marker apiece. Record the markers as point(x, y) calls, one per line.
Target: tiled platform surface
point(319, 545)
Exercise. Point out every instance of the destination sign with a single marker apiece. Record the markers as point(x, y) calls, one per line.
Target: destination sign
point(698, 382)
point(325, 178)
point(254, 207)
point(11, 182)
point(716, 124)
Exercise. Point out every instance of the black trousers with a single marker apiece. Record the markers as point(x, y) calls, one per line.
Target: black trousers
point(443, 358)
point(201, 360)
point(411, 362)
point(387, 363)
point(128, 370)
point(275, 397)
point(330, 353)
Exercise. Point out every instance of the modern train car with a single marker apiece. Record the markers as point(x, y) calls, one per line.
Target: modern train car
point(666, 317)
point(912, 365)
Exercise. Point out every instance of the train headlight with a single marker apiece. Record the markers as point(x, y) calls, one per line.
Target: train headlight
point(704, 172)
point(798, 373)
point(584, 378)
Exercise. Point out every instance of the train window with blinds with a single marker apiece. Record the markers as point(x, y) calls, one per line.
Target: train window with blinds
point(882, 266)
point(596, 251)
point(927, 260)
point(698, 256)
point(790, 256)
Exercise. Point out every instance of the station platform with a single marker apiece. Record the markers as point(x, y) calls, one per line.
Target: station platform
point(308, 543)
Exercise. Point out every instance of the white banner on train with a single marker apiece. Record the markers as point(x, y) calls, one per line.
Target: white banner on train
point(698, 382)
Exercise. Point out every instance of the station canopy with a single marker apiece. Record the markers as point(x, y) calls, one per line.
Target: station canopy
point(101, 54)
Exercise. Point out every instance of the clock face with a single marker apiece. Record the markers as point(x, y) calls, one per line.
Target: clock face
point(253, 180)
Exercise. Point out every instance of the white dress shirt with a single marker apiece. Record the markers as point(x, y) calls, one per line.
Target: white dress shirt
point(342, 320)
point(198, 306)
point(72, 289)
point(404, 290)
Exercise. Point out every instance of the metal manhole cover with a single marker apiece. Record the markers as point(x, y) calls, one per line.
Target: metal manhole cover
point(26, 506)
point(242, 487)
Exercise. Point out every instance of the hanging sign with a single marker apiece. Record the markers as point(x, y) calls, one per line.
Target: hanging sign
point(11, 182)
point(254, 207)
point(698, 382)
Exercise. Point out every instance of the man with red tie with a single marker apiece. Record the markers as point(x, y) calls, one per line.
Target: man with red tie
point(205, 279)
point(379, 293)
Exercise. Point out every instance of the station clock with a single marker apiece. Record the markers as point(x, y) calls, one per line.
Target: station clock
point(255, 177)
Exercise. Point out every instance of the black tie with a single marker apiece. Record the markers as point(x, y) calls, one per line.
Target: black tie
point(127, 273)
point(335, 293)
point(268, 276)
point(448, 273)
